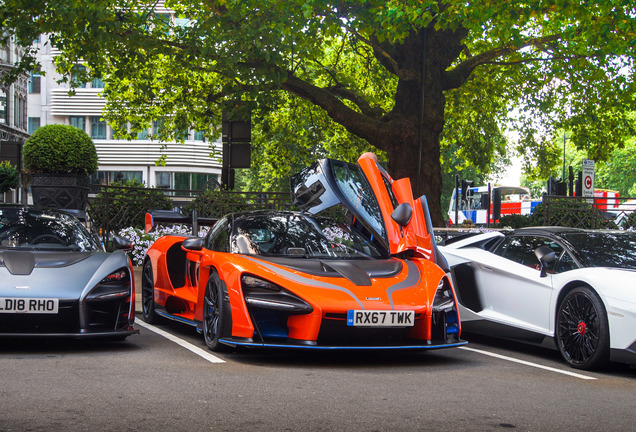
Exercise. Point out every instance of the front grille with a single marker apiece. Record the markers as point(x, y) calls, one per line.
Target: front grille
point(104, 315)
point(65, 321)
point(338, 333)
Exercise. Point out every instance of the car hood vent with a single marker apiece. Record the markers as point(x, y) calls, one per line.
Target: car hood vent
point(359, 272)
point(23, 262)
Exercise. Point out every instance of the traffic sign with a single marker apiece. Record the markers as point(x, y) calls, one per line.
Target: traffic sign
point(588, 178)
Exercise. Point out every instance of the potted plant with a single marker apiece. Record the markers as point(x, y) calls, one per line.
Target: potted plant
point(9, 177)
point(59, 160)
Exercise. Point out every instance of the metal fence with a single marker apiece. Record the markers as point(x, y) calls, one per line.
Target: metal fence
point(112, 208)
point(591, 213)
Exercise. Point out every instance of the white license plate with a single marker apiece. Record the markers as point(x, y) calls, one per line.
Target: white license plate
point(29, 305)
point(381, 318)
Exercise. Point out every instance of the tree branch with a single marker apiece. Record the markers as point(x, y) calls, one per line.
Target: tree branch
point(457, 76)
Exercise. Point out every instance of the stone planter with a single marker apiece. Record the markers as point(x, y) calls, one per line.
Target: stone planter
point(63, 191)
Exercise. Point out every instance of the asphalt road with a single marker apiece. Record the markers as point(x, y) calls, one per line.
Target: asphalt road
point(165, 379)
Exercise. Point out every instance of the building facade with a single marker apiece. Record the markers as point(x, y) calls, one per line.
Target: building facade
point(13, 113)
point(188, 166)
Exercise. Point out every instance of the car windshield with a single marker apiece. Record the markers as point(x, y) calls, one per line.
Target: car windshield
point(296, 235)
point(42, 229)
point(605, 249)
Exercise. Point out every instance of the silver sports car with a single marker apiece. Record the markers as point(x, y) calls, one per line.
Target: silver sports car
point(565, 288)
point(56, 279)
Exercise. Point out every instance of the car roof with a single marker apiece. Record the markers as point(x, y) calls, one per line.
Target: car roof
point(547, 230)
point(79, 214)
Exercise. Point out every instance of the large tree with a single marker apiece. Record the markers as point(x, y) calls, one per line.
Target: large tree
point(553, 63)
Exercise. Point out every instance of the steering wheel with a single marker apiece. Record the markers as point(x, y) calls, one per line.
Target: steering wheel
point(47, 238)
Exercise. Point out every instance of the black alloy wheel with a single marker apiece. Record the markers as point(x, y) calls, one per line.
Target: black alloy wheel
point(148, 294)
point(582, 330)
point(214, 319)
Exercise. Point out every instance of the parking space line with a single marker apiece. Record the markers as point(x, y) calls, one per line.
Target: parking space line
point(187, 345)
point(523, 362)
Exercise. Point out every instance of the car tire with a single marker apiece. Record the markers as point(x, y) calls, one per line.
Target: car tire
point(148, 294)
point(582, 330)
point(214, 313)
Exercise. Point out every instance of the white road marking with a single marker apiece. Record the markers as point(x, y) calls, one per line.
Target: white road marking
point(523, 362)
point(187, 345)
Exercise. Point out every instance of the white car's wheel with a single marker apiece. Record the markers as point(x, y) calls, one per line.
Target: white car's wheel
point(582, 331)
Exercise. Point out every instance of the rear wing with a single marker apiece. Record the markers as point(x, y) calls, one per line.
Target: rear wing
point(176, 217)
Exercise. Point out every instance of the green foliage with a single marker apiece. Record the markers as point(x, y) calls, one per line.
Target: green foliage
point(291, 137)
point(9, 177)
point(215, 203)
point(576, 213)
point(60, 149)
point(124, 204)
point(392, 73)
point(618, 172)
point(515, 221)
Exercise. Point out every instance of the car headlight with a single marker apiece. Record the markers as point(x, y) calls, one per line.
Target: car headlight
point(116, 284)
point(443, 300)
point(255, 283)
point(264, 294)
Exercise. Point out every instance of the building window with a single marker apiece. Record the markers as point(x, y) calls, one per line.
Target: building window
point(97, 83)
point(181, 135)
point(19, 112)
point(98, 128)
point(78, 122)
point(143, 135)
point(163, 180)
point(182, 22)
point(34, 123)
point(4, 109)
point(78, 74)
point(109, 177)
point(34, 83)
point(183, 181)
point(157, 127)
point(199, 136)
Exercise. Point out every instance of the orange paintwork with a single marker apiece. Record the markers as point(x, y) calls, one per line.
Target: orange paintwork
point(412, 288)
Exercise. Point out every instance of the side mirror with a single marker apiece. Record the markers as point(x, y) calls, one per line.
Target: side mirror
point(122, 243)
point(546, 256)
point(193, 243)
point(402, 214)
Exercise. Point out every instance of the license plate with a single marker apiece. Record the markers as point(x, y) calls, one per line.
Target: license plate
point(28, 305)
point(383, 318)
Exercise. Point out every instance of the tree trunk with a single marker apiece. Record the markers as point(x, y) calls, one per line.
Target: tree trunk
point(409, 134)
point(411, 140)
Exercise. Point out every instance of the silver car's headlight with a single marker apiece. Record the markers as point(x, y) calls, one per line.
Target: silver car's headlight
point(115, 285)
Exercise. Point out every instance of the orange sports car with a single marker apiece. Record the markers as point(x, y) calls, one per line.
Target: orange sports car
point(367, 276)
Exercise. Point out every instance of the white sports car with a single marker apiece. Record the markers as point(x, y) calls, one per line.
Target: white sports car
point(570, 289)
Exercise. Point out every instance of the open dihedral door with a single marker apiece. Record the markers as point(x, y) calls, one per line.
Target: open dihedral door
point(413, 232)
point(373, 198)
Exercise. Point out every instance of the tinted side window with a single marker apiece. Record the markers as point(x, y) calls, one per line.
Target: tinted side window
point(565, 263)
point(217, 238)
point(521, 249)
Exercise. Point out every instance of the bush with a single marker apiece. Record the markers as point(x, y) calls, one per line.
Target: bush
point(216, 204)
point(575, 213)
point(60, 149)
point(9, 177)
point(515, 221)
